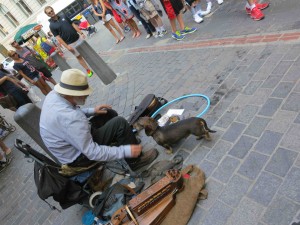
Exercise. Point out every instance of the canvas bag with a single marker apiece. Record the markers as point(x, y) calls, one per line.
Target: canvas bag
point(186, 200)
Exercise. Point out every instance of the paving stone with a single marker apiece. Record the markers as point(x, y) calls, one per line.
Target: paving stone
point(257, 126)
point(218, 214)
point(270, 107)
point(292, 75)
point(255, 66)
point(291, 138)
point(226, 119)
point(242, 147)
point(265, 188)
point(208, 167)
point(283, 89)
point(268, 142)
point(214, 190)
point(233, 132)
point(247, 114)
point(214, 138)
point(281, 162)
point(260, 96)
point(251, 87)
point(291, 185)
point(191, 143)
point(292, 102)
point(219, 151)
point(248, 213)
point(271, 82)
point(197, 215)
point(225, 169)
point(291, 55)
point(297, 88)
point(281, 121)
point(282, 67)
point(235, 190)
point(252, 165)
point(281, 211)
point(297, 120)
point(198, 155)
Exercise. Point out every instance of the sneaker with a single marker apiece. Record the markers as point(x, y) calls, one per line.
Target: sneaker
point(155, 34)
point(203, 13)
point(256, 14)
point(145, 159)
point(140, 23)
point(220, 2)
point(260, 6)
point(3, 165)
point(198, 18)
point(148, 36)
point(188, 30)
point(89, 73)
point(160, 34)
point(177, 35)
point(127, 29)
point(164, 32)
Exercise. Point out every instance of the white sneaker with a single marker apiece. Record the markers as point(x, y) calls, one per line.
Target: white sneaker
point(155, 35)
point(140, 23)
point(209, 5)
point(220, 2)
point(198, 19)
point(160, 34)
point(203, 13)
point(148, 36)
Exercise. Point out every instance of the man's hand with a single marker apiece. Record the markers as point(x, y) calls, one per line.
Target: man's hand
point(102, 109)
point(136, 150)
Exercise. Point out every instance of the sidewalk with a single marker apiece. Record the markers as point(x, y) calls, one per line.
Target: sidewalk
point(252, 164)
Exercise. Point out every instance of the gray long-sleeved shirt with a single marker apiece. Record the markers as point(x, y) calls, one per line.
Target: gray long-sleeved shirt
point(66, 132)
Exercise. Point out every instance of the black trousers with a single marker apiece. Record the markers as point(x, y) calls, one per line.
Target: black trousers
point(148, 26)
point(108, 129)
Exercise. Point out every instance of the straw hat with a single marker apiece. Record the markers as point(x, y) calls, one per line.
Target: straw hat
point(73, 82)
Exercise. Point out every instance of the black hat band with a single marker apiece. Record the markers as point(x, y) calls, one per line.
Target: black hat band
point(73, 87)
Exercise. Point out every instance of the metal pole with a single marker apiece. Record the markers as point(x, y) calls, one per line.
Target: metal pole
point(28, 118)
point(60, 61)
point(103, 71)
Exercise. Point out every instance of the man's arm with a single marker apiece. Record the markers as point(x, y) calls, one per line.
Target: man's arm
point(78, 30)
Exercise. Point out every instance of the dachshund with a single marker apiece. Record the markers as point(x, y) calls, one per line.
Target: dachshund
point(173, 133)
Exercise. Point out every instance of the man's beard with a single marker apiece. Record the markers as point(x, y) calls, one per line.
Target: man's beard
point(79, 101)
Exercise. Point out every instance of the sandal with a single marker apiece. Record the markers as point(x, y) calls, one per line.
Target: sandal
point(138, 34)
point(134, 35)
point(122, 38)
point(117, 42)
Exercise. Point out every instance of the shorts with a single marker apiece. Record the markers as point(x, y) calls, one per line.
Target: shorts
point(107, 18)
point(74, 44)
point(46, 72)
point(169, 9)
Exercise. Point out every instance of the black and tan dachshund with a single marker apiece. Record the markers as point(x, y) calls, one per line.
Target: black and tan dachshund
point(173, 133)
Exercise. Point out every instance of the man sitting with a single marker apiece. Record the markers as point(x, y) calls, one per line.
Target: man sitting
point(69, 135)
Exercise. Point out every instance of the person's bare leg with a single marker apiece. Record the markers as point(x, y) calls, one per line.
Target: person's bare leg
point(134, 26)
point(173, 25)
point(108, 27)
point(52, 80)
point(4, 148)
point(41, 86)
point(117, 28)
point(180, 21)
point(158, 21)
point(82, 62)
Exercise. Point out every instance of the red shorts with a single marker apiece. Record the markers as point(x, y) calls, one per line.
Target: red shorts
point(169, 9)
point(51, 50)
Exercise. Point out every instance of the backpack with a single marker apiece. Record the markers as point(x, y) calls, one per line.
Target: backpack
point(46, 47)
point(147, 107)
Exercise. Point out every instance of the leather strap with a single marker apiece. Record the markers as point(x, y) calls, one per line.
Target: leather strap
point(131, 215)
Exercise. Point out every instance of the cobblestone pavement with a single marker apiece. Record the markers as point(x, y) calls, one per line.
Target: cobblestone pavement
point(253, 162)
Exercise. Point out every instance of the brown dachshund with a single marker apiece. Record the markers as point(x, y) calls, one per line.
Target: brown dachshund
point(173, 133)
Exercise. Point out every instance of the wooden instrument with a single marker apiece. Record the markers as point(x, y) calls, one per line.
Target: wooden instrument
point(151, 206)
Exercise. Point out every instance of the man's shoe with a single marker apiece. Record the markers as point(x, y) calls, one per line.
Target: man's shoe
point(177, 36)
point(198, 18)
point(89, 73)
point(256, 14)
point(220, 2)
point(260, 6)
point(145, 159)
point(3, 165)
point(188, 30)
point(148, 36)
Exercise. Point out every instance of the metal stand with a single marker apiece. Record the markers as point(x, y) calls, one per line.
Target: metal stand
point(103, 71)
point(60, 61)
point(28, 118)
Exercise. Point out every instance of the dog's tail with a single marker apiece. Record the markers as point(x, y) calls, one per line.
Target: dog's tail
point(206, 127)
